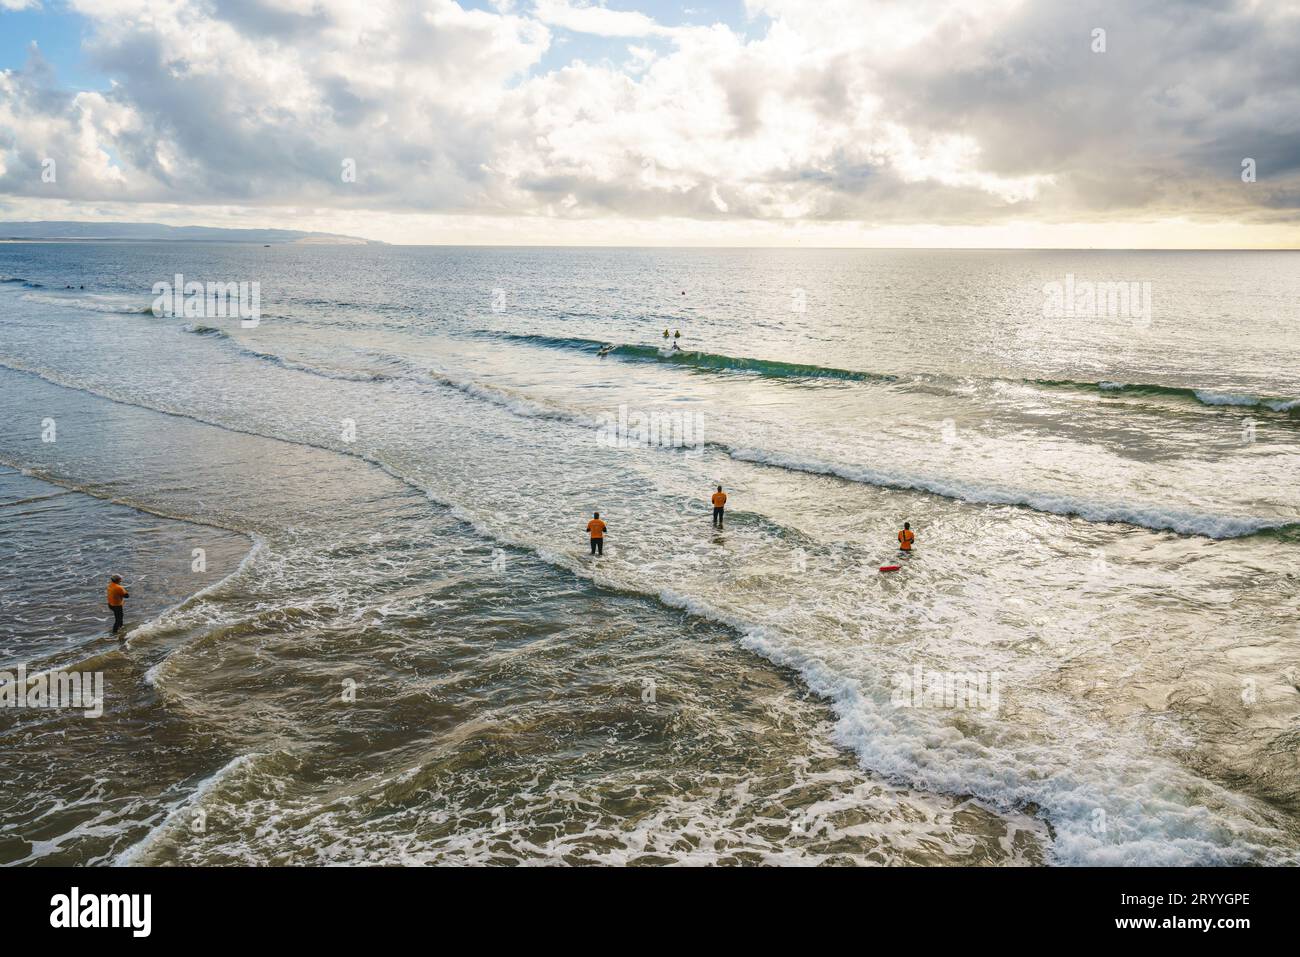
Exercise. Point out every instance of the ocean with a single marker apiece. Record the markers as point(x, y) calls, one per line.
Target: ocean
point(365, 626)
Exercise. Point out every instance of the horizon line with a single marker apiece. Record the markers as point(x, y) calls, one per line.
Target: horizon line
point(471, 245)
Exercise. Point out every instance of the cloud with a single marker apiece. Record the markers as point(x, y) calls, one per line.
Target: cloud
point(596, 20)
point(877, 113)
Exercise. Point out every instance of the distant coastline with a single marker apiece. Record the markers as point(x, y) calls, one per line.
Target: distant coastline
point(121, 241)
point(124, 232)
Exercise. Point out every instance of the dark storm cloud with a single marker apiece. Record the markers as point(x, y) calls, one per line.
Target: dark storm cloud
point(1184, 91)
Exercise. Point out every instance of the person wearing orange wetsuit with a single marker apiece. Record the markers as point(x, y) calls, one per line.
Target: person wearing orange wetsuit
point(906, 537)
point(596, 529)
point(116, 593)
point(719, 501)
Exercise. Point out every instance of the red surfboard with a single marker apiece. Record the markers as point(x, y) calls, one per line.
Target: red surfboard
point(890, 568)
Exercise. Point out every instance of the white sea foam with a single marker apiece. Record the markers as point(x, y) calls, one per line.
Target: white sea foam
point(119, 306)
point(167, 618)
point(1226, 398)
point(1148, 516)
point(177, 820)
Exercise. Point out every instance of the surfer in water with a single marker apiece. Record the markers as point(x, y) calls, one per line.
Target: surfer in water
point(719, 506)
point(676, 335)
point(906, 537)
point(606, 349)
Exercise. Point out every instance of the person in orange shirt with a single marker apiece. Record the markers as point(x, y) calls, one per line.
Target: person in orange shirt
point(906, 537)
point(719, 500)
point(596, 529)
point(115, 595)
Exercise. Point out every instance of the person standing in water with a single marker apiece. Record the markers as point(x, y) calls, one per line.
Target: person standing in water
point(116, 593)
point(719, 503)
point(596, 529)
point(906, 537)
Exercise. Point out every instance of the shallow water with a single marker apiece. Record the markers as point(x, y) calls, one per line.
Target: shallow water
point(391, 473)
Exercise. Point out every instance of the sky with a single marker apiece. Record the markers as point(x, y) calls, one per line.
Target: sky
point(949, 123)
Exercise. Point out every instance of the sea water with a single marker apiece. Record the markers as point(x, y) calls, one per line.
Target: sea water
point(397, 647)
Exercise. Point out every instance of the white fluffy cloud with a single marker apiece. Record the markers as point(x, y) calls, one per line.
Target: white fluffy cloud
point(596, 20)
point(885, 112)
